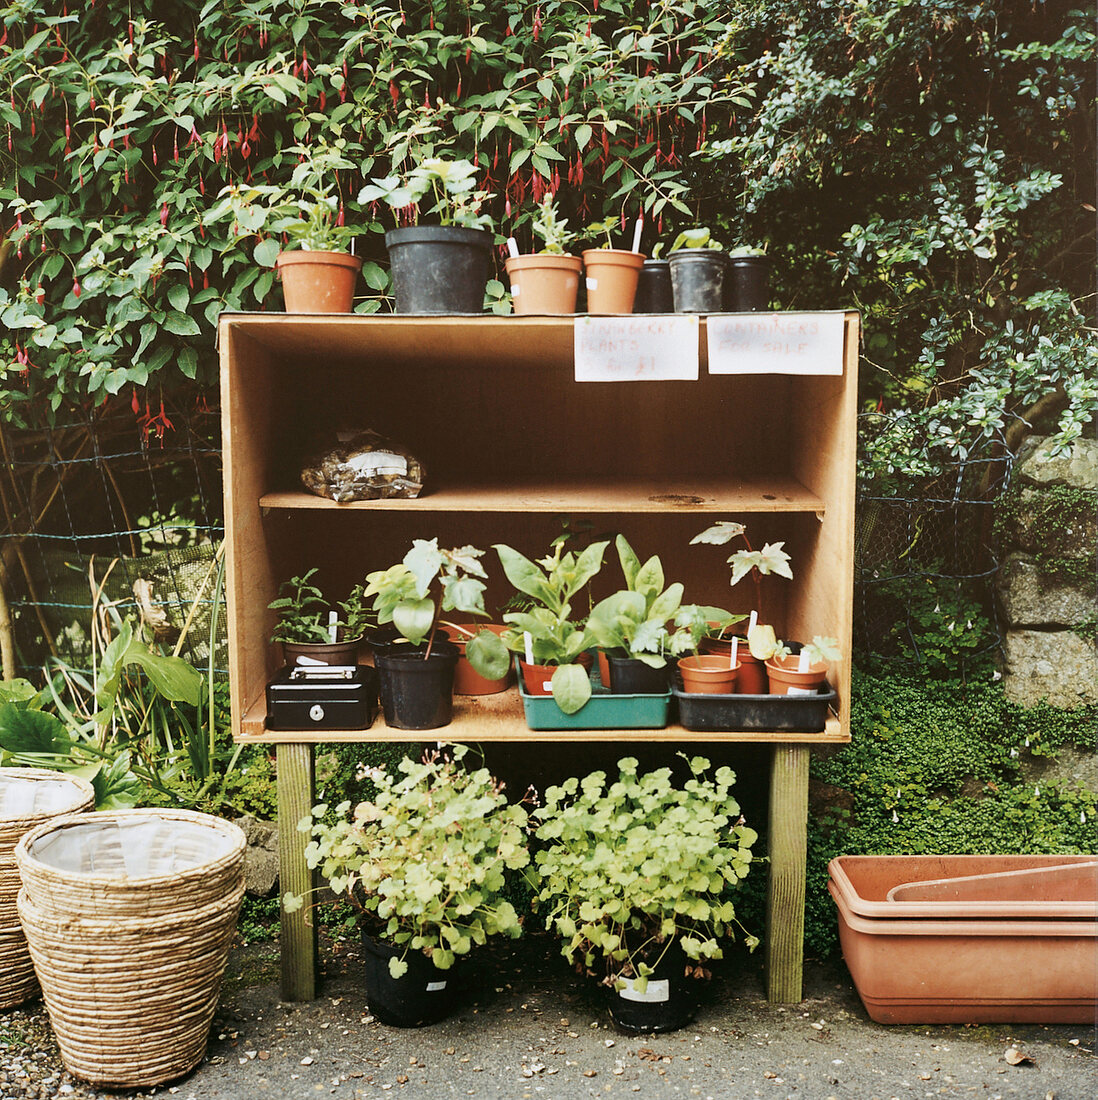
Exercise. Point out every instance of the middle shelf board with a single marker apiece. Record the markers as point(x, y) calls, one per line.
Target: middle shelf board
point(763, 494)
point(499, 718)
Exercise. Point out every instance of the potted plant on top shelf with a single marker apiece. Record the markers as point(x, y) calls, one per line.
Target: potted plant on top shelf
point(427, 865)
point(319, 275)
point(547, 281)
point(770, 560)
point(635, 876)
point(747, 282)
point(546, 637)
point(441, 267)
point(612, 273)
point(311, 630)
point(697, 272)
point(416, 677)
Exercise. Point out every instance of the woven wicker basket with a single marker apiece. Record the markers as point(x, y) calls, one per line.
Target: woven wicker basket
point(130, 965)
point(43, 795)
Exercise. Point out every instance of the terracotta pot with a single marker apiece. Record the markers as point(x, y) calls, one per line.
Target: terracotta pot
point(604, 669)
point(324, 653)
point(467, 681)
point(1018, 959)
point(708, 674)
point(752, 677)
point(537, 679)
point(786, 680)
point(318, 282)
point(544, 283)
point(612, 275)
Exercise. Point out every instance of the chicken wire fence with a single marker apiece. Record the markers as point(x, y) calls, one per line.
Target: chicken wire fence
point(116, 510)
point(102, 509)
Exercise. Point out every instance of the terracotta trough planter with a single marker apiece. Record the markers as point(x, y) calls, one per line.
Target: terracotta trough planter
point(982, 939)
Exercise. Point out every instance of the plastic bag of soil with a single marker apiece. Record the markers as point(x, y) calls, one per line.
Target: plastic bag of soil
point(363, 466)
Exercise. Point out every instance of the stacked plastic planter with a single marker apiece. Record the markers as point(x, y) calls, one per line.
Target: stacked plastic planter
point(129, 916)
point(970, 939)
point(28, 797)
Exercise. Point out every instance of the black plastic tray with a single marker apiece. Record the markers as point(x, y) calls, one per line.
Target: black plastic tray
point(755, 713)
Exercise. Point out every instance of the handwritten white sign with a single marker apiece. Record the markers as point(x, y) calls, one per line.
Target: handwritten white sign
point(636, 348)
point(775, 343)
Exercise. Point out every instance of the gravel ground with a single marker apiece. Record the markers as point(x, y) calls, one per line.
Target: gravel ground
point(535, 1033)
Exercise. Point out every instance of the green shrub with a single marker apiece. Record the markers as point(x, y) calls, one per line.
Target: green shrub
point(939, 768)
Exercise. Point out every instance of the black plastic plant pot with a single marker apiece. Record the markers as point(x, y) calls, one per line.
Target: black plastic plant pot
point(668, 1002)
point(628, 676)
point(439, 268)
point(654, 288)
point(697, 280)
point(747, 285)
point(417, 691)
point(422, 995)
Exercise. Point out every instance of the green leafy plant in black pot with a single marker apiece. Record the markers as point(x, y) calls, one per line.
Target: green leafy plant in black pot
point(416, 678)
point(697, 272)
point(442, 264)
point(635, 875)
point(426, 863)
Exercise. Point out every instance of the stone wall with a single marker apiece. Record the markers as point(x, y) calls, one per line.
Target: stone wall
point(1047, 581)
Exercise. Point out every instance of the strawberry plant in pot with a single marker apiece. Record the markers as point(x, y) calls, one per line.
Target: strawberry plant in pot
point(548, 640)
point(426, 864)
point(441, 267)
point(416, 678)
point(309, 627)
point(319, 275)
point(612, 273)
point(697, 272)
point(770, 560)
point(546, 281)
point(635, 877)
point(795, 673)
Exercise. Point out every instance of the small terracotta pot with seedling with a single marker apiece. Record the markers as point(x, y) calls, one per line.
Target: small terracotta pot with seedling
point(319, 274)
point(800, 673)
point(313, 631)
point(612, 273)
point(545, 282)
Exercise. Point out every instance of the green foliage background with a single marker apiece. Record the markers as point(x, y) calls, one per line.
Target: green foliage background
point(929, 161)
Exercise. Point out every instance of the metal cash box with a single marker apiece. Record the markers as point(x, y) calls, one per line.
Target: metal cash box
point(322, 697)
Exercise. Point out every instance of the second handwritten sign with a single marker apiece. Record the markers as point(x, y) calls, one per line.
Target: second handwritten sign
point(636, 348)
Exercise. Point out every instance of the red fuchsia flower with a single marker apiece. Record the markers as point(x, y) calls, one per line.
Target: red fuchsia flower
point(164, 215)
point(76, 288)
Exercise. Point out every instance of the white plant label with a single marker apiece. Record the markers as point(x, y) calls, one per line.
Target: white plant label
point(592, 284)
point(435, 987)
point(637, 348)
point(802, 691)
point(776, 343)
point(655, 993)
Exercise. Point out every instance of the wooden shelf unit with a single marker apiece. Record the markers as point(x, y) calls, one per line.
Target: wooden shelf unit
point(511, 443)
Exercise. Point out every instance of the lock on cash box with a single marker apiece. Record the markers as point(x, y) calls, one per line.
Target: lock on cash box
point(322, 697)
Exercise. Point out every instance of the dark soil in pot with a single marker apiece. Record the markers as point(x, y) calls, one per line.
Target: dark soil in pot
point(422, 995)
point(697, 280)
point(439, 268)
point(629, 676)
point(417, 690)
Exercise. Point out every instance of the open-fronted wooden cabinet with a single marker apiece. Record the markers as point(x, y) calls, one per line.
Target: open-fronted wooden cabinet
point(512, 444)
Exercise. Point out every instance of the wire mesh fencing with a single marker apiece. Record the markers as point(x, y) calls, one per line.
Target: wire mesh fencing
point(111, 506)
point(99, 508)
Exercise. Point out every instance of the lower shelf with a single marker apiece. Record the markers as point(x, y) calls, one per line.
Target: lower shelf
point(500, 718)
